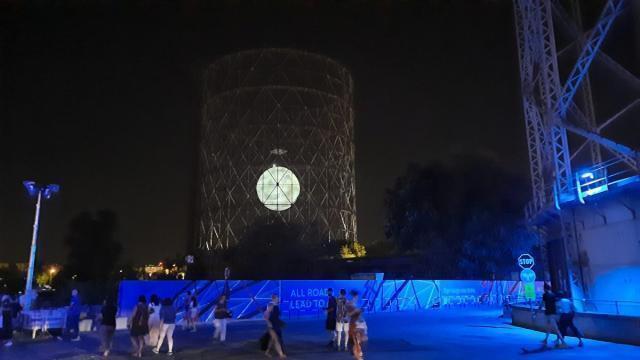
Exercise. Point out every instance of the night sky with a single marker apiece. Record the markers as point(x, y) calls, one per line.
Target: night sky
point(105, 100)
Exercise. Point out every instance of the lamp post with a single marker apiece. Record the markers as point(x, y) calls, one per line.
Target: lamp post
point(38, 191)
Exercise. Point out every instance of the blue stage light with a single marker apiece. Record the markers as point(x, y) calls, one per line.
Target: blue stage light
point(49, 190)
point(589, 183)
point(32, 188)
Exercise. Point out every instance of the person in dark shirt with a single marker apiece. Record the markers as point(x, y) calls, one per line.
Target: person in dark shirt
point(107, 325)
point(330, 323)
point(6, 334)
point(274, 327)
point(73, 316)
point(139, 325)
point(221, 314)
point(551, 318)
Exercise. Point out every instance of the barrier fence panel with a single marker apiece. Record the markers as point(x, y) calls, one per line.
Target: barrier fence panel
point(308, 298)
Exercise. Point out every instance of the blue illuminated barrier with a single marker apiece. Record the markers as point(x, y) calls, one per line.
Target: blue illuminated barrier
point(304, 298)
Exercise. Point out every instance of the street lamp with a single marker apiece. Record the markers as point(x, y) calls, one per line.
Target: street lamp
point(38, 191)
point(52, 273)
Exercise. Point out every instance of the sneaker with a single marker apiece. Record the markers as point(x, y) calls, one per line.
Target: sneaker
point(155, 351)
point(580, 344)
point(76, 339)
point(106, 353)
point(170, 353)
point(8, 343)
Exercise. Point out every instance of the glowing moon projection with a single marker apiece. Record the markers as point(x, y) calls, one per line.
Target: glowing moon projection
point(278, 188)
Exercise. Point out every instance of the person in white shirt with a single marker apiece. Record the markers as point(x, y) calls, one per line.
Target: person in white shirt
point(342, 320)
point(567, 311)
point(154, 320)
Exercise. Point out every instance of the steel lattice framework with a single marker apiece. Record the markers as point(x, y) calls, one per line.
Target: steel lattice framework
point(553, 109)
point(276, 107)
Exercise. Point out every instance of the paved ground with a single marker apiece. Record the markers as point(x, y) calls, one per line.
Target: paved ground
point(435, 334)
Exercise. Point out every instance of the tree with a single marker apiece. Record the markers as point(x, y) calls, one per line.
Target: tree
point(93, 249)
point(11, 279)
point(464, 216)
point(275, 249)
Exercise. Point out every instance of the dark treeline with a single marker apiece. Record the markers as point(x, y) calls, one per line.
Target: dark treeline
point(462, 217)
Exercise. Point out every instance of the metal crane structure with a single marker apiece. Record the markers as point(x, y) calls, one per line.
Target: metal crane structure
point(574, 167)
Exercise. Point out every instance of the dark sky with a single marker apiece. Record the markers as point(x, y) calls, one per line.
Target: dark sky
point(103, 97)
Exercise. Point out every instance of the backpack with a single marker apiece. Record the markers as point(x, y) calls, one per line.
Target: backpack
point(341, 311)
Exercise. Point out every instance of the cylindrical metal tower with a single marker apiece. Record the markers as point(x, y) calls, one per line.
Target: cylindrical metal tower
point(276, 144)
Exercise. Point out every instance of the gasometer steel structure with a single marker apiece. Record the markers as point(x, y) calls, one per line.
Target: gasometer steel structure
point(276, 145)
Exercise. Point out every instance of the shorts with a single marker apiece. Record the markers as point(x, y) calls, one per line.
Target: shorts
point(342, 326)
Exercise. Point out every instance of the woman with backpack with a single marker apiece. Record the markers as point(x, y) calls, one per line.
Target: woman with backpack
point(139, 325)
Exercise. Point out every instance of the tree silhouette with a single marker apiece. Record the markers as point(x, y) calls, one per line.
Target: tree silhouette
point(93, 249)
point(274, 249)
point(464, 216)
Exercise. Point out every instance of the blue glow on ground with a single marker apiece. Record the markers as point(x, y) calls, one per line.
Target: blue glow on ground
point(457, 333)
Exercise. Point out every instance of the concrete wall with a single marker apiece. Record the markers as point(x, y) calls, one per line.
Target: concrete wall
point(614, 328)
point(609, 244)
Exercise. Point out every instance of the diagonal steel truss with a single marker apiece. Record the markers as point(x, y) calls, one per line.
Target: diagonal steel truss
point(550, 107)
point(276, 107)
point(552, 110)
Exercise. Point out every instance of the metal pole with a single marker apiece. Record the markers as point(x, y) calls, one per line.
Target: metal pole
point(32, 257)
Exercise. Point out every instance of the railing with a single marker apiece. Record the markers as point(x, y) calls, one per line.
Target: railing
point(611, 174)
point(613, 307)
point(590, 306)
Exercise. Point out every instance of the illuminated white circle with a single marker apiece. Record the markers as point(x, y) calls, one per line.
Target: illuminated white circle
point(278, 188)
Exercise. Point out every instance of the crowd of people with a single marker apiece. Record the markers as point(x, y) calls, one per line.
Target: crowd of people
point(154, 321)
point(345, 323)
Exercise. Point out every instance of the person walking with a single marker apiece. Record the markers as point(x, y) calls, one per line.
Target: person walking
point(154, 320)
point(187, 312)
point(221, 314)
point(330, 322)
point(274, 327)
point(191, 311)
point(139, 325)
point(567, 311)
point(354, 313)
point(342, 320)
point(73, 316)
point(6, 335)
point(551, 318)
point(168, 325)
point(107, 326)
